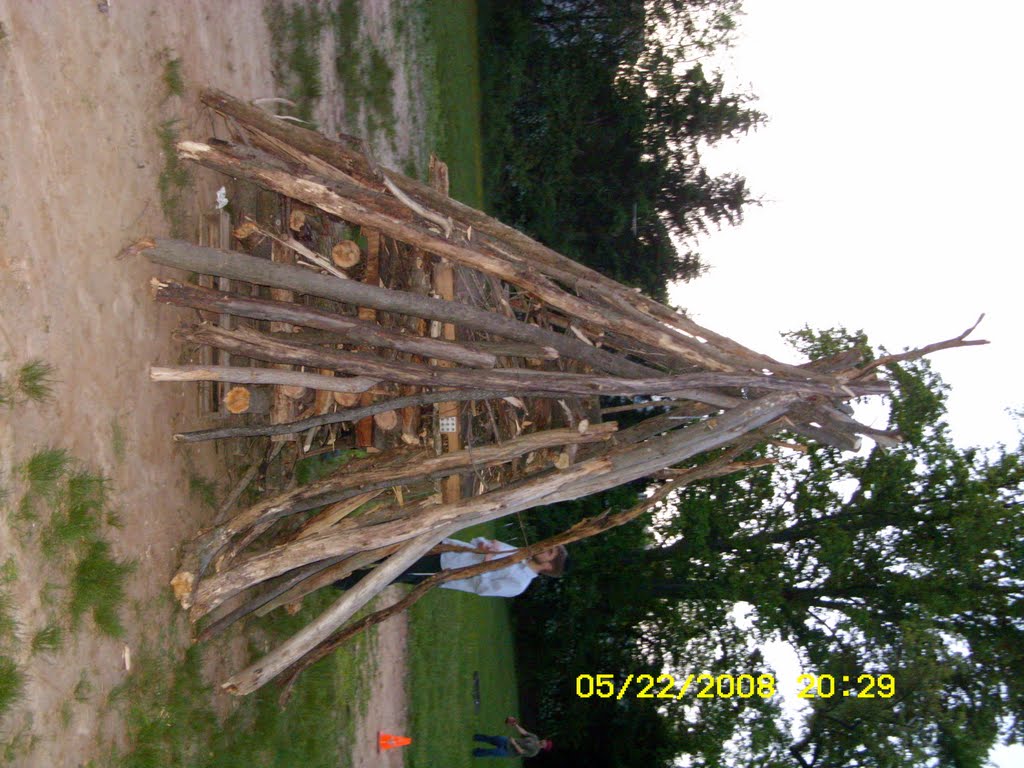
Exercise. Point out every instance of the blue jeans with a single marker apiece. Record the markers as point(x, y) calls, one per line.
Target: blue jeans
point(501, 746)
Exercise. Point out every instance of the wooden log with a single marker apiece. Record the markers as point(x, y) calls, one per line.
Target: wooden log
point(386, 421)
point(283, 408)
point(343, 328)
point(349, 414)
point(447, 414)
point(366, 479)
point(237, 375)
point(324, 398)
point(599, 473)
point(293, 649)
point(559, 486)
point(247, 400)
point(346, 254)
point(582, 530)
point(257, 345)
point(371, 276)
point(366, 475)
point(194, 258)
point(640, 308)
point(355, 203)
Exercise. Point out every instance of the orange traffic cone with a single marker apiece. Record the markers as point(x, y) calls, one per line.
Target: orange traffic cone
point(388, 741)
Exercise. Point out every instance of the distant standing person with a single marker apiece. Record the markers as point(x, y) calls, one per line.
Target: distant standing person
point(504, 582)
point(525, 745)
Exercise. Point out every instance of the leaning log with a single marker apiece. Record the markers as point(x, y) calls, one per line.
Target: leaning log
point(212, 261)
point(239, 375)
point(600, 473)
point(345, 329)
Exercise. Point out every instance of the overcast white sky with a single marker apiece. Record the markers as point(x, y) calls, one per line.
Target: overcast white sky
point(891, 173)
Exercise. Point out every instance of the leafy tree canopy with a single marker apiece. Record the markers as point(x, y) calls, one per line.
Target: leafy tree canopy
point(906, 562)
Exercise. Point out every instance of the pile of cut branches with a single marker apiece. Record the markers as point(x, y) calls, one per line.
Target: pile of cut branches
point(532, 327)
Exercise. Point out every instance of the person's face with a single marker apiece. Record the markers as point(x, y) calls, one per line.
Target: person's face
point(545, 558)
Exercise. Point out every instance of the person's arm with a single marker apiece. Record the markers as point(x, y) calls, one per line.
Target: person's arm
point(515, 724)
point(495, 547)
point(515, 745)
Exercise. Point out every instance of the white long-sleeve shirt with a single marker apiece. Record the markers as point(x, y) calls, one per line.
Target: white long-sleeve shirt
point(504, 582)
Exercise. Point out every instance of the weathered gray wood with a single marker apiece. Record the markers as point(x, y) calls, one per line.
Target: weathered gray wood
point(402, 468)
point(211, 261)
point(600, 473)
point(512, 381)
point(346, 329)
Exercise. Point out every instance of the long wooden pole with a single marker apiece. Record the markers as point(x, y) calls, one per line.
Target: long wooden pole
point(600, 473)
point(211, 261)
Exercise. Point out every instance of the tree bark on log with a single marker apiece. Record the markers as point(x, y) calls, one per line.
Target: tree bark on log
point(246, 341)
point(546, 260)
point(582, 530)
point(238, 375)
point(210, 261)
point(298, 645)
point(402, 468)
point(344, 329)
point(355, 203)
point(350, 414)
point(600, 473)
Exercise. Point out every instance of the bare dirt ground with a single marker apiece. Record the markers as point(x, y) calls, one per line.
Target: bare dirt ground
point(79, 163)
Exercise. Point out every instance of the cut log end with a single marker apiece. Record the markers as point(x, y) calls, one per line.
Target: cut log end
point(237, 400)
point(182, 585)
point(291, 391)
point(346, 254)
point(346, 399)
point(387, 421)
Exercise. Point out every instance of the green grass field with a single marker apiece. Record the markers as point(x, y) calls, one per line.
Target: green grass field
point(454, 111)
point(453, 635)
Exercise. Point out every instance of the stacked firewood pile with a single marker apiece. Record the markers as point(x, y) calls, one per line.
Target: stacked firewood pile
point(531, 333)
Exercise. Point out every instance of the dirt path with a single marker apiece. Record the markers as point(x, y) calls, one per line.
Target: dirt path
point(79, 166)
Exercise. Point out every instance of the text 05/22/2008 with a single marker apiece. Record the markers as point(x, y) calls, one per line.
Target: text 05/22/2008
point(726, 686)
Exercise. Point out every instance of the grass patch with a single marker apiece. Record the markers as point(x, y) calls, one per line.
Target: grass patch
point(170, 721)
point(118, 441)
point(97, 586)
point(77, 520)
point(8, 622)
point(44, 470)
point(12, 683)
point(295, 60)
point(35, 381)
point(175, 178)
point(49, 639)
point(9, 571)
point(454, 109)
point(203, 490)
point(173, 78)
point(484, 644)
